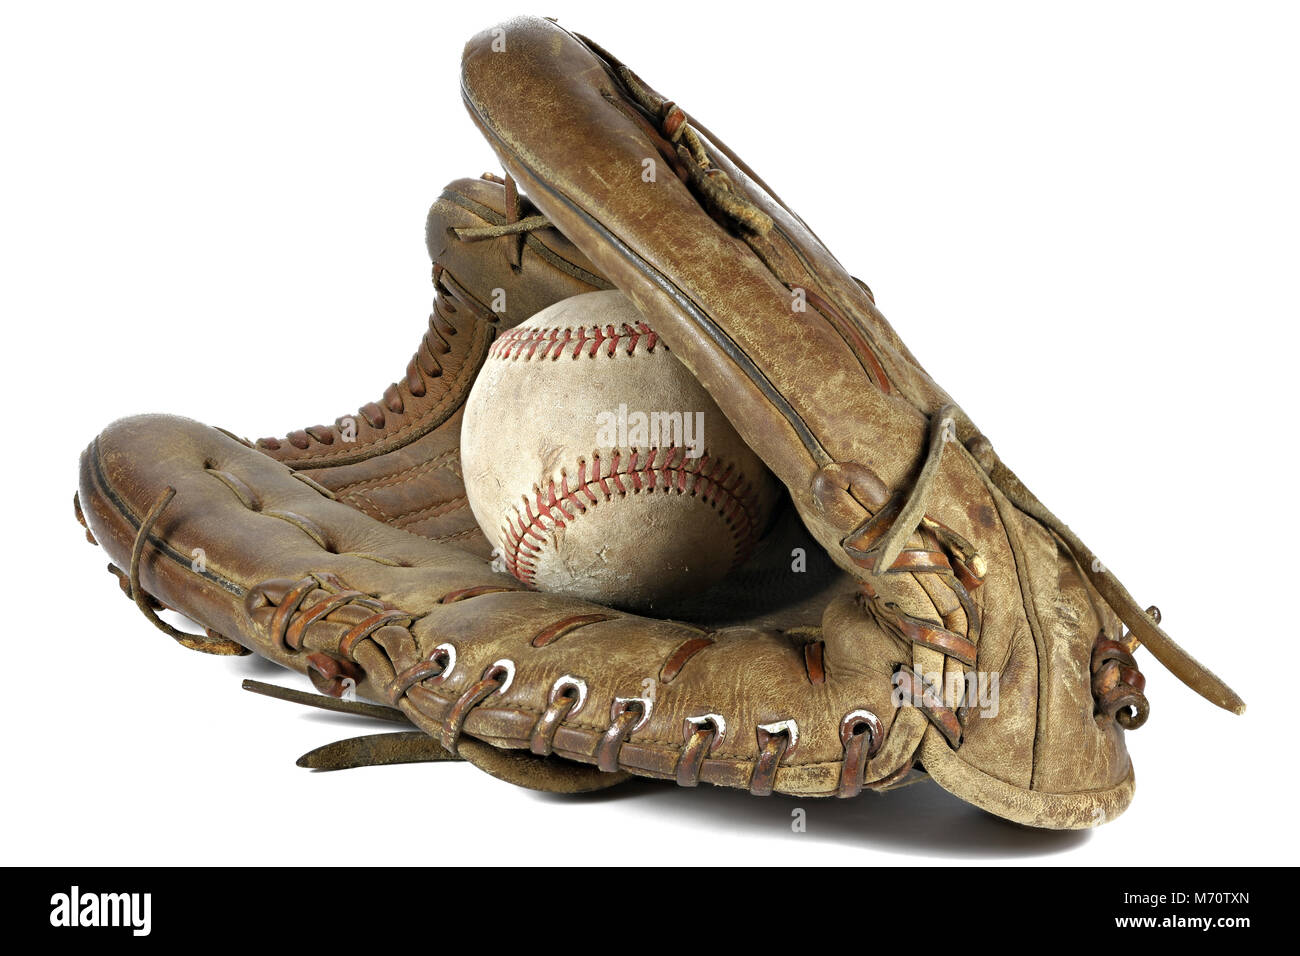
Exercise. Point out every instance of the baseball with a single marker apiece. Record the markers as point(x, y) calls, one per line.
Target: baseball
point(599, 467)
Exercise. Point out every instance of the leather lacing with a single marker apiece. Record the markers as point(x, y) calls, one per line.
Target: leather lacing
point(1118, 688)
point(288, 609)
point(209, 643)
point(681, 146)
point(284, 609)
point(453, 308)
point(520, 219)
point(1117, 684)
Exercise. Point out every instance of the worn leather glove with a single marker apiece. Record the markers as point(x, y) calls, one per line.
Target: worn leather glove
point(960, 578)
point(964, 573)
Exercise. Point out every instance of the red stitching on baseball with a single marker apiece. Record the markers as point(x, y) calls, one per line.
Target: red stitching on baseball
point(718, 484)
point(526, 343)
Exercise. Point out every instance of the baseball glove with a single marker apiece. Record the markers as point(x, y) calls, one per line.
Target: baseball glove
point(960, 577)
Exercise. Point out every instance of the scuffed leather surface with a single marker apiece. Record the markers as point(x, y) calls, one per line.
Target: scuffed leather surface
point(802, 395)
point(748, 675)
point(842, 435)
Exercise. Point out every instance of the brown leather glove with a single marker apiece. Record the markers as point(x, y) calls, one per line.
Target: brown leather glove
point(958, 573)
point(964, 574)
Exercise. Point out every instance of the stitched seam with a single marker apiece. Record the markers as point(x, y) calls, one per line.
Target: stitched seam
point(589, 340)
point(465, 533)
point(438, 510)
point(397, 477)
point(366, 506)
point(728, 492)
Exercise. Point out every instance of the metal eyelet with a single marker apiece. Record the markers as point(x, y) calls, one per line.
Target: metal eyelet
point(776, 741)
point(621, 727)
point(623, 704)
point(789, 727)
point(569, 686)
point(444, 654)
point(702, 736)
point(506, 665)
point(861, 733)
point(496, 678)
point(693, 725)
point(856, 722)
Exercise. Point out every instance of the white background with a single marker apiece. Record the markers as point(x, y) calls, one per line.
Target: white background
point(1083, 220)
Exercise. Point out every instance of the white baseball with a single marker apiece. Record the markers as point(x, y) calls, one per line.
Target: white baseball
point(599, 467)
